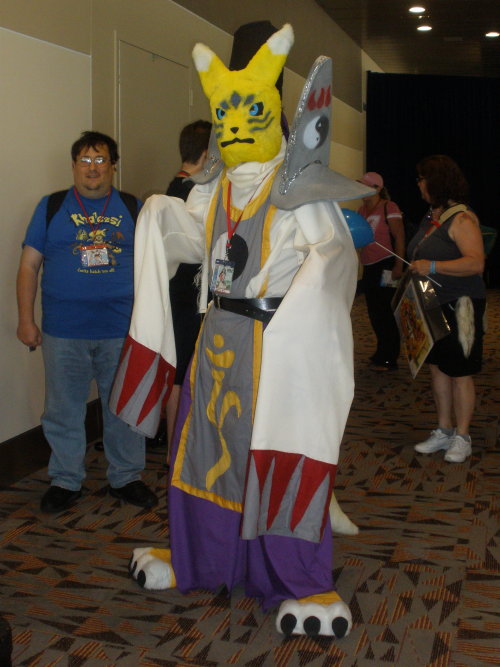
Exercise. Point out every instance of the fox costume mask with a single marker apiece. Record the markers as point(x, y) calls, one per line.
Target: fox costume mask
point(245, 104)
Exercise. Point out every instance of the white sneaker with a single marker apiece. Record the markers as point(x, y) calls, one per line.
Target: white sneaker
point(438, 440)
point(459, 450)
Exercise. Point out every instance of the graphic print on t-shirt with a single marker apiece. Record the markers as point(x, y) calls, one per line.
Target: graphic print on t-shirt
point(105, 242)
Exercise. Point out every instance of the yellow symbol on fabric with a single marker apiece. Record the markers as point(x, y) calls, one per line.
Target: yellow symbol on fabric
point(223, 360)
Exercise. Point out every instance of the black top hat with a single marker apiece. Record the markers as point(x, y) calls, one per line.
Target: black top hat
point(247, 40)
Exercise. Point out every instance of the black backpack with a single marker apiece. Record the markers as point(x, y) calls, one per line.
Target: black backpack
point(56, 199)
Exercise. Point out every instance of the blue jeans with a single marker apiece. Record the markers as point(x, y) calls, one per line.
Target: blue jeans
point(70, 366)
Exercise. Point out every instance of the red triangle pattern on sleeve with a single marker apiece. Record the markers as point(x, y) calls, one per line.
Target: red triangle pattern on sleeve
point(312, 475)
point(139, 361)
point(164, 373)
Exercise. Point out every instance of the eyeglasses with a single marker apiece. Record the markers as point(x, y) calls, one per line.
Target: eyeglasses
point(420, 178)
point(98, 161)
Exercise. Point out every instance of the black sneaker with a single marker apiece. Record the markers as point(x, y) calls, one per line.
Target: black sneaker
point(135, 493)
point(57, 499)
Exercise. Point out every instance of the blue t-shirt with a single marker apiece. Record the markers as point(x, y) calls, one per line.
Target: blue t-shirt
point(81, 301)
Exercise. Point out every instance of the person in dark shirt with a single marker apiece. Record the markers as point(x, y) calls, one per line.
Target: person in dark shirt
point(193, 145)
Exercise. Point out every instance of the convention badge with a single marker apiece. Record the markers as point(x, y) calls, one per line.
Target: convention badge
point(94, 255)
point(222, 278)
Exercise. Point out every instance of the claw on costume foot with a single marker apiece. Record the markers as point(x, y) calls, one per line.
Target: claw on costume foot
point(324, 615)
point(152, 568)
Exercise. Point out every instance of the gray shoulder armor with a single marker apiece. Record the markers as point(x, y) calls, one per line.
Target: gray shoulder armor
point(213, 164)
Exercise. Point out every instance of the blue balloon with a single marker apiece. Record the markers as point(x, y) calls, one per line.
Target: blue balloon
point(361, 232)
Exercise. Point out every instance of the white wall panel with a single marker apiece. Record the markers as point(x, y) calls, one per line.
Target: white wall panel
point(45, 103)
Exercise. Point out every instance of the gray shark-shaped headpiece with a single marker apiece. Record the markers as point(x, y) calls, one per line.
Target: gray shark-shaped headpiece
point(304, 177)
point(213, 164)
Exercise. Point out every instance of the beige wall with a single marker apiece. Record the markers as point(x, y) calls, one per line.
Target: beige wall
point(63, 22)
point(95, 29)
point(45, 102)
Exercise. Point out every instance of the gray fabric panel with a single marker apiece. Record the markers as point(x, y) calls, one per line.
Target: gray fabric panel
point(203, 444)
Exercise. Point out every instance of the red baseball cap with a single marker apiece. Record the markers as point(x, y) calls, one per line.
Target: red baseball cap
point(372, 179)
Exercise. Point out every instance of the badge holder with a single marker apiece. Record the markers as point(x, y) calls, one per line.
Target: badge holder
point(94, 255)
point(222, 278)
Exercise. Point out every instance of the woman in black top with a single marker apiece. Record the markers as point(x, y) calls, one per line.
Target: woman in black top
point(449, 246)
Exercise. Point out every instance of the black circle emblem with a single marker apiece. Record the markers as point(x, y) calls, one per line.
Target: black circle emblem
point(238, 253)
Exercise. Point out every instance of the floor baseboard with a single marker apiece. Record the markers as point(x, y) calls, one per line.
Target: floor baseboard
point(28, 452)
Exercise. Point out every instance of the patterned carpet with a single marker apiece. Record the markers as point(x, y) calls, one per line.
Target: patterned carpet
point(421, 578)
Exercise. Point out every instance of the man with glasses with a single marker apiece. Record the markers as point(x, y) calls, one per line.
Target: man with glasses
point(84, 237)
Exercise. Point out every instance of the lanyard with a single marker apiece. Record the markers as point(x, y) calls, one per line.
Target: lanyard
point(93, 225)
point(432, 223)
point(231, 229)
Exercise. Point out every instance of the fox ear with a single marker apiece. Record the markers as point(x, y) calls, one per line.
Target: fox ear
point(209, 67)
point(267, 64)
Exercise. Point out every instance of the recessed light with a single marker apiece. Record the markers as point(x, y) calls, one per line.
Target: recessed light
point(493, 33)
point(424, 28)
point(417, 9)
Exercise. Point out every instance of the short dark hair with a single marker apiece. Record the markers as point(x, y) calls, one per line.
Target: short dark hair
point(444, 180)
point(193, 140)
point(90, 139)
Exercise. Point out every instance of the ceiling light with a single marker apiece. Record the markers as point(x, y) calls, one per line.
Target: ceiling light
point(417, 9)
point(493, 33)
point(424, 28)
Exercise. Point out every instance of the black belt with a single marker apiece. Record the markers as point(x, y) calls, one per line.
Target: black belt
point(257, 309)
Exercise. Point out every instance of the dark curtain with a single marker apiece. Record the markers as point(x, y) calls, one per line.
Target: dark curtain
point(411, 116)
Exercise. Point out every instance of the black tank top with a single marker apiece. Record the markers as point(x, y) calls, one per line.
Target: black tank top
point(438, 246)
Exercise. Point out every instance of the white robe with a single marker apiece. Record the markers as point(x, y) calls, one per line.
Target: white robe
point(306, 378)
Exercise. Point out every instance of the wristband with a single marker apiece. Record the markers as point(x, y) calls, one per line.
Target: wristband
point(433, 268)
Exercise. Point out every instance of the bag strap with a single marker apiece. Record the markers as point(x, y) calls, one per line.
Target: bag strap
point(445, 215)
point(453, 210)
point(391, 237)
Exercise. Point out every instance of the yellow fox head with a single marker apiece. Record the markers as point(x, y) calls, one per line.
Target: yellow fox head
point(245, 104)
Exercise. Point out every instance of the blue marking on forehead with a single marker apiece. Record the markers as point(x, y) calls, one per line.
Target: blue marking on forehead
point(235, 99)
point(249, 100)
point(224, 105)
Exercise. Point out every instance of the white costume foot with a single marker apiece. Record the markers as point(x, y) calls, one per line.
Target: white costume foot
point(325, 614)
point(152, 568)
point(341, 524)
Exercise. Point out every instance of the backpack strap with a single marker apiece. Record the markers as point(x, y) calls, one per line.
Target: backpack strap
point(131, 203)
point(54, 203)
point(55, 200)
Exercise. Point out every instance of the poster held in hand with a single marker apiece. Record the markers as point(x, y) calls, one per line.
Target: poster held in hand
point(419, 317)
